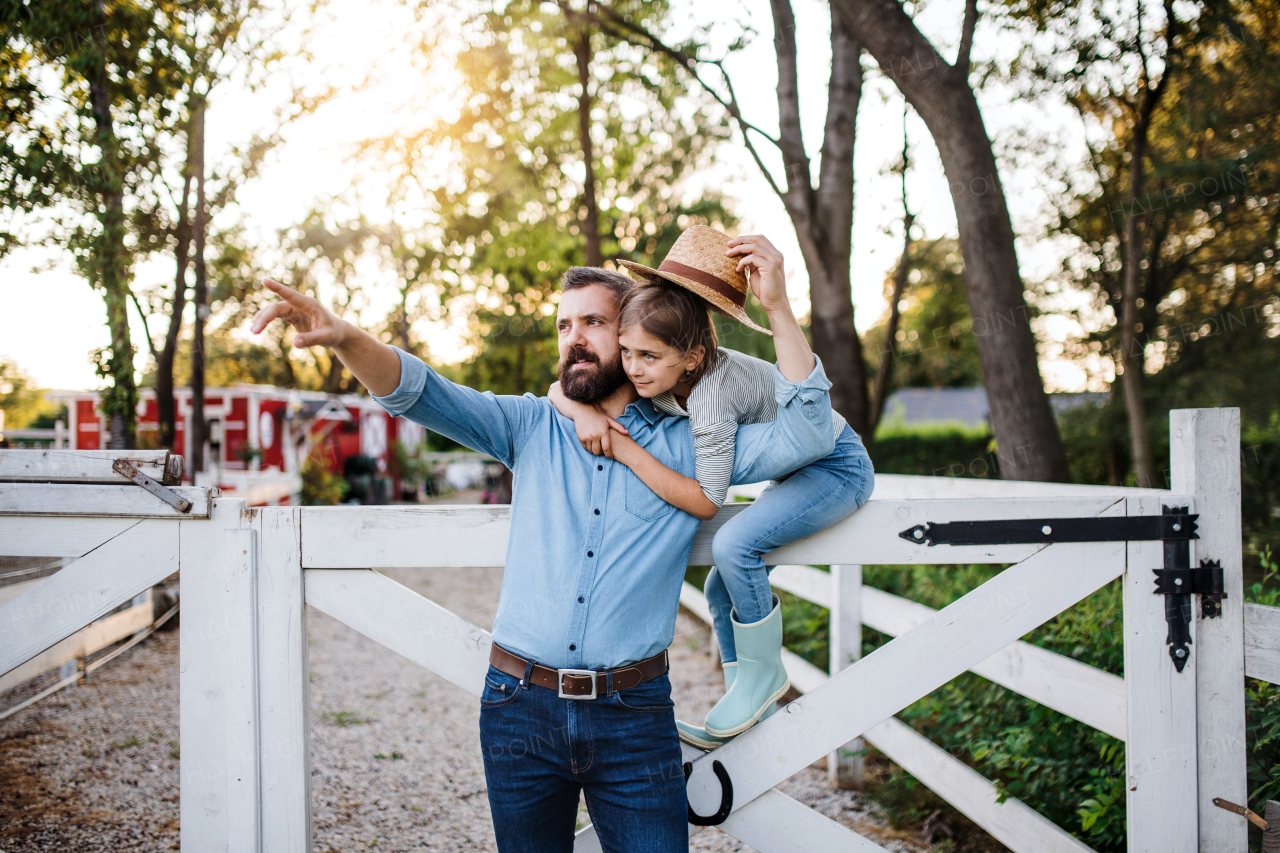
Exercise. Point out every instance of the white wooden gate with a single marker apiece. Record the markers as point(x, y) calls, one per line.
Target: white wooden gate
point(246, 574)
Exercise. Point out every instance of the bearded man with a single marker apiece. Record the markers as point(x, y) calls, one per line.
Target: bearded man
point(577, 697)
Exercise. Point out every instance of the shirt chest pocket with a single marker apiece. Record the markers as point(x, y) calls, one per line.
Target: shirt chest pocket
point(641, 501)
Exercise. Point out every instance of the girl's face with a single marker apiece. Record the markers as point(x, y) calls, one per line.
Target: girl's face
point(651, 365)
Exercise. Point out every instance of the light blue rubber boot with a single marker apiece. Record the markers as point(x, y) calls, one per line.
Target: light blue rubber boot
point(697, 735)
point(760, 681)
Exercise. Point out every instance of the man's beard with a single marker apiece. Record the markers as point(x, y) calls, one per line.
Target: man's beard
point(590, 384)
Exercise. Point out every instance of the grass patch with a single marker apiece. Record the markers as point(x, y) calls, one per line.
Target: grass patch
point(343, 719)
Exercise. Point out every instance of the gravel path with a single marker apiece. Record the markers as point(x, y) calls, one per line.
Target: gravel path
point(395, 750)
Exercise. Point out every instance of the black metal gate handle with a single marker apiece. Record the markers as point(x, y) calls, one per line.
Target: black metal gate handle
point(726, 796)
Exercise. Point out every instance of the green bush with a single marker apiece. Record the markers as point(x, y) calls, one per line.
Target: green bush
point(320, 486)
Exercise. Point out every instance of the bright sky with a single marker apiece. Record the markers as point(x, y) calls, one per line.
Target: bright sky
point(52, 320)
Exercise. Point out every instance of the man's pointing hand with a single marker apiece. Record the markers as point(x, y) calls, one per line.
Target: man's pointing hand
point(315, 324)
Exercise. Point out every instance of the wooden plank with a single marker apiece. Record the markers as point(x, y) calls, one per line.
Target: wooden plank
point(776, 823)
point(1013, 823)
point(55, 536)
point(461, 536)
point(12, 591)
point(244, 800)
point(870, 535)
point(205, 676)
point(89, 639)
point(906, 486)
point(1204, 456)
point(1078, 690)
point(123, 501)
point(844, 765)
point(805, 581)
point(1160, 754)
point(79, 466)
point(404, 537)
point(86, 590)
point(283, 683)
point(405, 622)
point(958, 637)
point(1261, 642)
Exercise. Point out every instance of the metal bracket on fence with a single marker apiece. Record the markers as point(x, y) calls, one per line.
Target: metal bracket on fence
point(1176, 575)
point(1175, 527)
point(175, 500)
point(1032, 531)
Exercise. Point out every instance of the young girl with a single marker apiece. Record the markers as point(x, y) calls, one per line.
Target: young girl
point(670, 353)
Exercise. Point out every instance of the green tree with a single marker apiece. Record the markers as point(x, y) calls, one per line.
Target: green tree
point(88, 92)
point(1205, 306)
point(568, 146)
point(934, 344)
point(20, 400)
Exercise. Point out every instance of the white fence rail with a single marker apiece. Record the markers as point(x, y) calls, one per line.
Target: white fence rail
point(245, 726)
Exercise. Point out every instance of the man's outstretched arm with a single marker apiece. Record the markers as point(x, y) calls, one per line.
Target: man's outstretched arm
point(374, 363)
point(403, 384)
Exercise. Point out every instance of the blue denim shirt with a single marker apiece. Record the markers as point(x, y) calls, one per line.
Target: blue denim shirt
point(596, 560)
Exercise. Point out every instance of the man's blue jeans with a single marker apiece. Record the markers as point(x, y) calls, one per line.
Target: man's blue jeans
point(622, 751)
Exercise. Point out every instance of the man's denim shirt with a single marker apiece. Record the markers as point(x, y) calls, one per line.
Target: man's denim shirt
point(596, 560)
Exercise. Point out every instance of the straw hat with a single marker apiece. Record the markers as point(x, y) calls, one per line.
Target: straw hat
point(698, 262)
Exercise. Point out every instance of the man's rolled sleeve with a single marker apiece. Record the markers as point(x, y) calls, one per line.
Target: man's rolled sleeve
point(803, 433)
point(413, 378)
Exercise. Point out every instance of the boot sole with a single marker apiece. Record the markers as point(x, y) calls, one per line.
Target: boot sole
point(700, 744)
point(737, 730)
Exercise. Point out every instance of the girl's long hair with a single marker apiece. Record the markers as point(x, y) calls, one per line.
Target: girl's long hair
point(673, 315)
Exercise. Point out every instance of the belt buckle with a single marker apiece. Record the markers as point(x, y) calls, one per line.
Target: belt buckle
point(561, 673)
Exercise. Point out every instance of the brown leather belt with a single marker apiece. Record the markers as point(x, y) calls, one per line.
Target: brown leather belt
point(581, 683)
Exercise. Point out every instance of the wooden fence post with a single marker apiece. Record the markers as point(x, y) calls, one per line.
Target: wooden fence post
point(211, 586)
point(844, 766)
point(1204, 457)
point(1160, 753)
point(283, 682)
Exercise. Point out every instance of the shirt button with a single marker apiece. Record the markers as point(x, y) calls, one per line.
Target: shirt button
point(591, 553)
point(599, 467)
point(572, 647)
point(581, 599)
point(597, 512)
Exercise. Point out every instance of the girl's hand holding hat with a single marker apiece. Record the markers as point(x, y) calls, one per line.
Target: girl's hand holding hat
point(763, 266)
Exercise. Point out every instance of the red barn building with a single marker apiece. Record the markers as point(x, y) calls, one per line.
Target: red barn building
point(258, 436)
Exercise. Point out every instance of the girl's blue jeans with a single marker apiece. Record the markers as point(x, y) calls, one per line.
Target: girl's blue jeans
point(811, 499)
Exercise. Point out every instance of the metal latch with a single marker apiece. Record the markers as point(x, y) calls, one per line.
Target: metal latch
point(169, 496)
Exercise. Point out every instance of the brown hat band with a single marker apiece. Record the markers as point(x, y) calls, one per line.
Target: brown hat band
point(737, 297)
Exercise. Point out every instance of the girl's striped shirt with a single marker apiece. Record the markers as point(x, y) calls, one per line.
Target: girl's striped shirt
point(738, 389)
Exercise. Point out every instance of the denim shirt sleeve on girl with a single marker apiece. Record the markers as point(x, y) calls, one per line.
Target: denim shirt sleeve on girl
point(595, 560)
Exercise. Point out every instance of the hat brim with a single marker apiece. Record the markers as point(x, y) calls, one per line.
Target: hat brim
point(717, 301)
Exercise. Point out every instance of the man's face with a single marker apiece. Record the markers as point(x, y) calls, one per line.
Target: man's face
point(590, 366)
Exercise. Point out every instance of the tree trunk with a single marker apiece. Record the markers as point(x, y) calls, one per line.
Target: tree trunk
point(884, 370)
point(199, 226)
point(1131, 349)
point(591, 212)
point(823, 216)
point(1029, 446)
point(112, 261)
point(166, 408)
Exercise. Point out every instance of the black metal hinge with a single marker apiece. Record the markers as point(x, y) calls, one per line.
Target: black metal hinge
point(1032, 531)
point(1175, 527)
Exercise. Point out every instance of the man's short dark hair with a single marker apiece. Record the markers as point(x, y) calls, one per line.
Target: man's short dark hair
point(616, 282)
